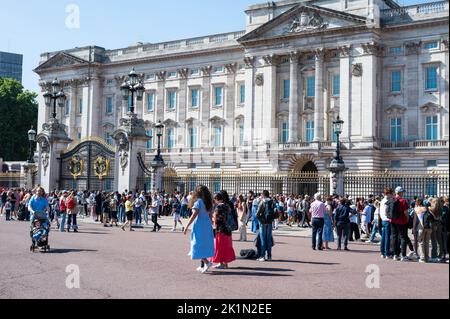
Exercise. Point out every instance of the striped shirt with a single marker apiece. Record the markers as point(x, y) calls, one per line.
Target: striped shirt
point(318, 209)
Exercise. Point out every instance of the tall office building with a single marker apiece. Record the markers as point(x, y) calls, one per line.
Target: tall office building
point(11, 65)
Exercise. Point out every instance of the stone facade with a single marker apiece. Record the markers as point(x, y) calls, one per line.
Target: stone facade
point(265, 98)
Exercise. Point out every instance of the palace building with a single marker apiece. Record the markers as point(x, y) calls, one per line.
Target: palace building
point(264, 99)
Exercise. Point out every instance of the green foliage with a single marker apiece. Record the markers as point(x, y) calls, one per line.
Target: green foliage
point(18, 112)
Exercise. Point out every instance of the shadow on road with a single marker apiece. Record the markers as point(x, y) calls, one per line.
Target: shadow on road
point(261, 269)
point(306, 262)
point(248, 273)
point(68, 250)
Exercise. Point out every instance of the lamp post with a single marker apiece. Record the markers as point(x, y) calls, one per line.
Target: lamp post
point(56, 96)
point(158, 162)
point(130, 87)
point(31, 140)
point(337, 166)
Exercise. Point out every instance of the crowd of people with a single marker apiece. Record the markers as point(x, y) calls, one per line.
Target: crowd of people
point(387, 220)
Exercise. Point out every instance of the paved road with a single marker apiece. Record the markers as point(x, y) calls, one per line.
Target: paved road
point(117, 264)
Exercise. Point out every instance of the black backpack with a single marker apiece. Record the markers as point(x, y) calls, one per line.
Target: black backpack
point(393, 210)
point(428, 220)
point(248, 254)
point(268, 216)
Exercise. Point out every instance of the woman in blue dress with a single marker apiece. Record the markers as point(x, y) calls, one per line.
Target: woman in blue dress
point(255, 222)
point(202, 237)
point(328, 235)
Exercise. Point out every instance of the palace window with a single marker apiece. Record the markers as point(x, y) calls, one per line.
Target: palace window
point(151, 76)
point(217, 136)
point(432, 128)
point(80, 107)
point(431, 81)
point(336, 85)
point(172, 100)
point(195, 72)
point(170, 138)
point(311, 86)
point(218, 96)
point(109, 105)
point(286, 88)
point(396, 129)
point(284, 132)
point(219, 69)
point(67, 108)
point(396, 81)
point(108, 138)
point(431, 45)
point(194, 98)
point(193, 137)
point(150, 101)
point(241, 134)
point(396, 50)
point(309, 131)
point(149, 133)
point(172, 74)
point(241, 94)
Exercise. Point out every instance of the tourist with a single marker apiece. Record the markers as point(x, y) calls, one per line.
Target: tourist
point(437, 248)
point(232, 218)
point(71, 205)
point(113, 209)
point(255, 205)
point(202, 237)
point(399, 224)
point(38, 206)
point(342, 223)
point(318, 211)
point(385, 245)
point(265, 215)
point(129, 213)
point(8, 208)
point(249, 207)
point(106, 209)
point(328, 235)
point(63, 210)
point(376, 225)
point(176, 211)
point(138, 204)
point(98, 206)
point(291, 210)
point(445, 226)
point(366, 217)
point(184, 206)
point(223, 241)
point(154, 212)
point(354, 228)
point(240, 205)
point(422, 224)
point(305, 208)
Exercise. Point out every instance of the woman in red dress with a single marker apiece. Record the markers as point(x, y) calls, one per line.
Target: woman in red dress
point(223, 241)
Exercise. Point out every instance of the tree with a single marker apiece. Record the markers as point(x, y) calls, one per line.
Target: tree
point(18, 112)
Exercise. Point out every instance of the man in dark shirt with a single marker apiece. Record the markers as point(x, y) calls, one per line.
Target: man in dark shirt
point(400, 227)
point(342, 222)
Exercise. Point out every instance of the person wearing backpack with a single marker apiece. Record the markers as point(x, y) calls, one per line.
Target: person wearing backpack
point(265, 215)
point(422, 224)
point(437, 249)
point(71, 205)
point(397, 211)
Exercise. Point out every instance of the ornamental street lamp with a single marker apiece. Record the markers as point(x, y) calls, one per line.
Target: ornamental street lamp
point(31, 140)
point(130, 87)
point(337, 127)
point(337, 166)
point(158, 160)
point(56, 96)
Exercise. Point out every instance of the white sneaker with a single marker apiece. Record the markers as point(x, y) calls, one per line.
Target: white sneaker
point(261, 259)
point(199, 269)
point(207, 266)
point(173, 229)
point(404, 259)
point(412, 255)
point(383, 257)
point(422, 261)
point(396, 258)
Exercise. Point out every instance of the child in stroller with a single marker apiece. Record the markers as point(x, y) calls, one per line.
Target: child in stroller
point(40, 228)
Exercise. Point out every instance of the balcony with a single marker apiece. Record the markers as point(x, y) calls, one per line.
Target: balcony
point(301, 146)
point(415, 12)
point(414, 144)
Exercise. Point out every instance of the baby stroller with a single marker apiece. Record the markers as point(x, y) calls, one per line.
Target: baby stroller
point(40, 229)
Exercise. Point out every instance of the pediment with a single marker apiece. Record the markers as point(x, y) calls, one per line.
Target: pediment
point(170, 123)
point(431, 107)
point(61, 60)
point(396, 109)
point(304, 20)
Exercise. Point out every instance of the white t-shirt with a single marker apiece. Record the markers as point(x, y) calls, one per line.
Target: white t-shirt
point(383, 210)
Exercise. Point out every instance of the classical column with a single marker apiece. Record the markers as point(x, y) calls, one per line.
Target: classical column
point(345, 94)
point(293, 98)
point(318, 100)
point(230, 106)
point(446, 92)
point(182, 105)
point(249, 100)
point(205, 107)
point(412, 89)
point(74, 109)
point(270, 100)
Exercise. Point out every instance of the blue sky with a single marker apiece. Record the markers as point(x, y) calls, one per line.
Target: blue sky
point(33, 27)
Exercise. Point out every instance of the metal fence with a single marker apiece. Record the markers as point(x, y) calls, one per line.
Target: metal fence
point(355, 184)
point(11, 180)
